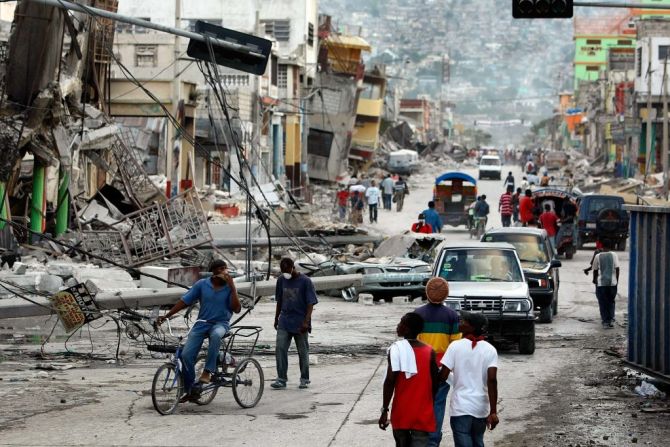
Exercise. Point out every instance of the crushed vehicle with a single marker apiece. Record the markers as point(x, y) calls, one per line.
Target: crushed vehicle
point(383, 278)
point(488, 278)
point(539, 266)
point(602, 217)
point(554, 160)
point(411, 245)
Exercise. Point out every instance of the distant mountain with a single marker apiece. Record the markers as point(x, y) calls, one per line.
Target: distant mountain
point(500, 69)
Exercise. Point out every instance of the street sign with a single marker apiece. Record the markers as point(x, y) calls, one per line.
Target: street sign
point(230, 57)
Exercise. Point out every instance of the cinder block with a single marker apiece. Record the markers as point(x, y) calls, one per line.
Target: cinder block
point(400, 300)
point(366, 299)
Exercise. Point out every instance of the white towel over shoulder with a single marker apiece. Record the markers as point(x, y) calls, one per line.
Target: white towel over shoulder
point(403, 358)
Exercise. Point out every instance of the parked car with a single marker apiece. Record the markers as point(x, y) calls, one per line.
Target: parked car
point(555, 160)
point(383, 278)
point(488, 278)
point(411, 245)
point(602, 217)
point(539, 266)
point(490, 166)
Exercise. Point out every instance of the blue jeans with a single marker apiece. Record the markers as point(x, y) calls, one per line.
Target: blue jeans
point(281, 354)
point(189, 355)
point(387, 201)
point(439, 408)
point(468, 431)
point(343, 212)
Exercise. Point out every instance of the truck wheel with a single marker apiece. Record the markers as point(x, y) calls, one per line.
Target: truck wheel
point(621, 246)
point(527, 343)
point(546, 314)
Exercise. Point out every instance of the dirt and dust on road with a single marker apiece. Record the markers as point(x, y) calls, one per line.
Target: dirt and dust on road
point(574, 391)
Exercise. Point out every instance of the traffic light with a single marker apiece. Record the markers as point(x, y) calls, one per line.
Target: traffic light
point(542, 9)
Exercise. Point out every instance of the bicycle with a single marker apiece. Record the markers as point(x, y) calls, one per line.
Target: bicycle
point(478, 228)
point(245, 377)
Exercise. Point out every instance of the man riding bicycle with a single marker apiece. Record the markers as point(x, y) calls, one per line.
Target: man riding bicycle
point(218, 300)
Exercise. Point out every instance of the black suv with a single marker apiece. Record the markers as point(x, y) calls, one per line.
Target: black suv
point(602, 217)
point(539, 266)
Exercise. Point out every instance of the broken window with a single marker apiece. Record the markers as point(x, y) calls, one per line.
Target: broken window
point(663, 52)
point(279, 29)
point(310, 35)
point(146, 55)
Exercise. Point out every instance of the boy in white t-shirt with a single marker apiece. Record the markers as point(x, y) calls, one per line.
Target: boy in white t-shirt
point(606, 279)
point(474, 363)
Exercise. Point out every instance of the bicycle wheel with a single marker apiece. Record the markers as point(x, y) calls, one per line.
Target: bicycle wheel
point(208, 391)
point(248, 383)
point(166, 389)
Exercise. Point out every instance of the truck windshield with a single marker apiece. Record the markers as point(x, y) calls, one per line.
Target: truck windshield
point(480, 265)
point(528, 247)
point(490, 162)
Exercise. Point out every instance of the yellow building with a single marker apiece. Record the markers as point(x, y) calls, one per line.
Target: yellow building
point(365, 138)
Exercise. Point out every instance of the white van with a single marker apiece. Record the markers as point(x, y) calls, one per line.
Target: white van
point(490, 166)
point(403, 161)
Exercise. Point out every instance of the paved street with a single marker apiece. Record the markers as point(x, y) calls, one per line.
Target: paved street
point(110, 405)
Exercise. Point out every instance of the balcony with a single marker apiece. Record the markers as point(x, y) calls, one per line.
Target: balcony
point(370, 107)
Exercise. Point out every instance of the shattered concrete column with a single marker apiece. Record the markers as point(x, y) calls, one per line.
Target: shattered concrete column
point(38, 204)
point(63, 205)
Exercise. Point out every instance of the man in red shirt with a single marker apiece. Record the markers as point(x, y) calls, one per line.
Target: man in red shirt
point(411, 380)
point(341, 198)
point(526, 208)
point(505, 207)
point(421, 226)
point(549, 221)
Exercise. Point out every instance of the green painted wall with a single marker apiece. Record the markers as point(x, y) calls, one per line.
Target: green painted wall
point(651, 14)
point(590, 54)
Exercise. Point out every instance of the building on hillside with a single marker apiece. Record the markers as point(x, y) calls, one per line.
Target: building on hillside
point(594, 37)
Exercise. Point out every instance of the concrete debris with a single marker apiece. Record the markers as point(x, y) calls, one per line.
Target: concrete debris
point(49, 283)
point(104, 278)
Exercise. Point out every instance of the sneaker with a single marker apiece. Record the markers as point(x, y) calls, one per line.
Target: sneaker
point(205, 377)
point(606, 325)
point(304, 384)
point(278, 385)
point(611, 324)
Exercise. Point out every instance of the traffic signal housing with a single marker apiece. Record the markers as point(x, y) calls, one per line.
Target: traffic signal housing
point(542, 9)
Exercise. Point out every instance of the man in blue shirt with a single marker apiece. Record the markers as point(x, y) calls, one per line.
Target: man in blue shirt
point(433, 218)
point(218, 300)
point(296, 297)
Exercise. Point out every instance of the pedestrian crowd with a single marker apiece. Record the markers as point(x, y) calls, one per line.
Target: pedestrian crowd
point(353, 198)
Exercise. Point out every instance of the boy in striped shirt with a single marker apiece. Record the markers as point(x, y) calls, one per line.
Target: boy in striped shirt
point(505, 207)
point(439, 330)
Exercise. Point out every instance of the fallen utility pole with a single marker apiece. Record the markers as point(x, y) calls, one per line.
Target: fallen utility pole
point(626, 5)
point(150, 25)
point(145, 298)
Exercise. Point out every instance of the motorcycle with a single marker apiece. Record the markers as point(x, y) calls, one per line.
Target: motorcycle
point(566, 244)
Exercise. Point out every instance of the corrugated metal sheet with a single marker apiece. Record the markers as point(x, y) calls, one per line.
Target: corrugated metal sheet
point(649, 290)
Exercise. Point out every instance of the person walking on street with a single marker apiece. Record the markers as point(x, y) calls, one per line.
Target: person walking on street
point(515, 205)
point(421, 226)
point(433, 217)
point(474, 400)
point(526, 208)
point(296, 297)
point(357, 205)
point(509, 181)
point(440, 329)
point(342, 199)
point(372, 194)
point(411, 381)
point(400, 190)
point(482, 209)
point(387, 191)
point(505, 207)
point(606, 279)
point(549, 221)
point(218, 301)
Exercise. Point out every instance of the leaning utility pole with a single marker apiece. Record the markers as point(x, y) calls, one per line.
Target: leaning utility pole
point(665, 128)
point(647, 166)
